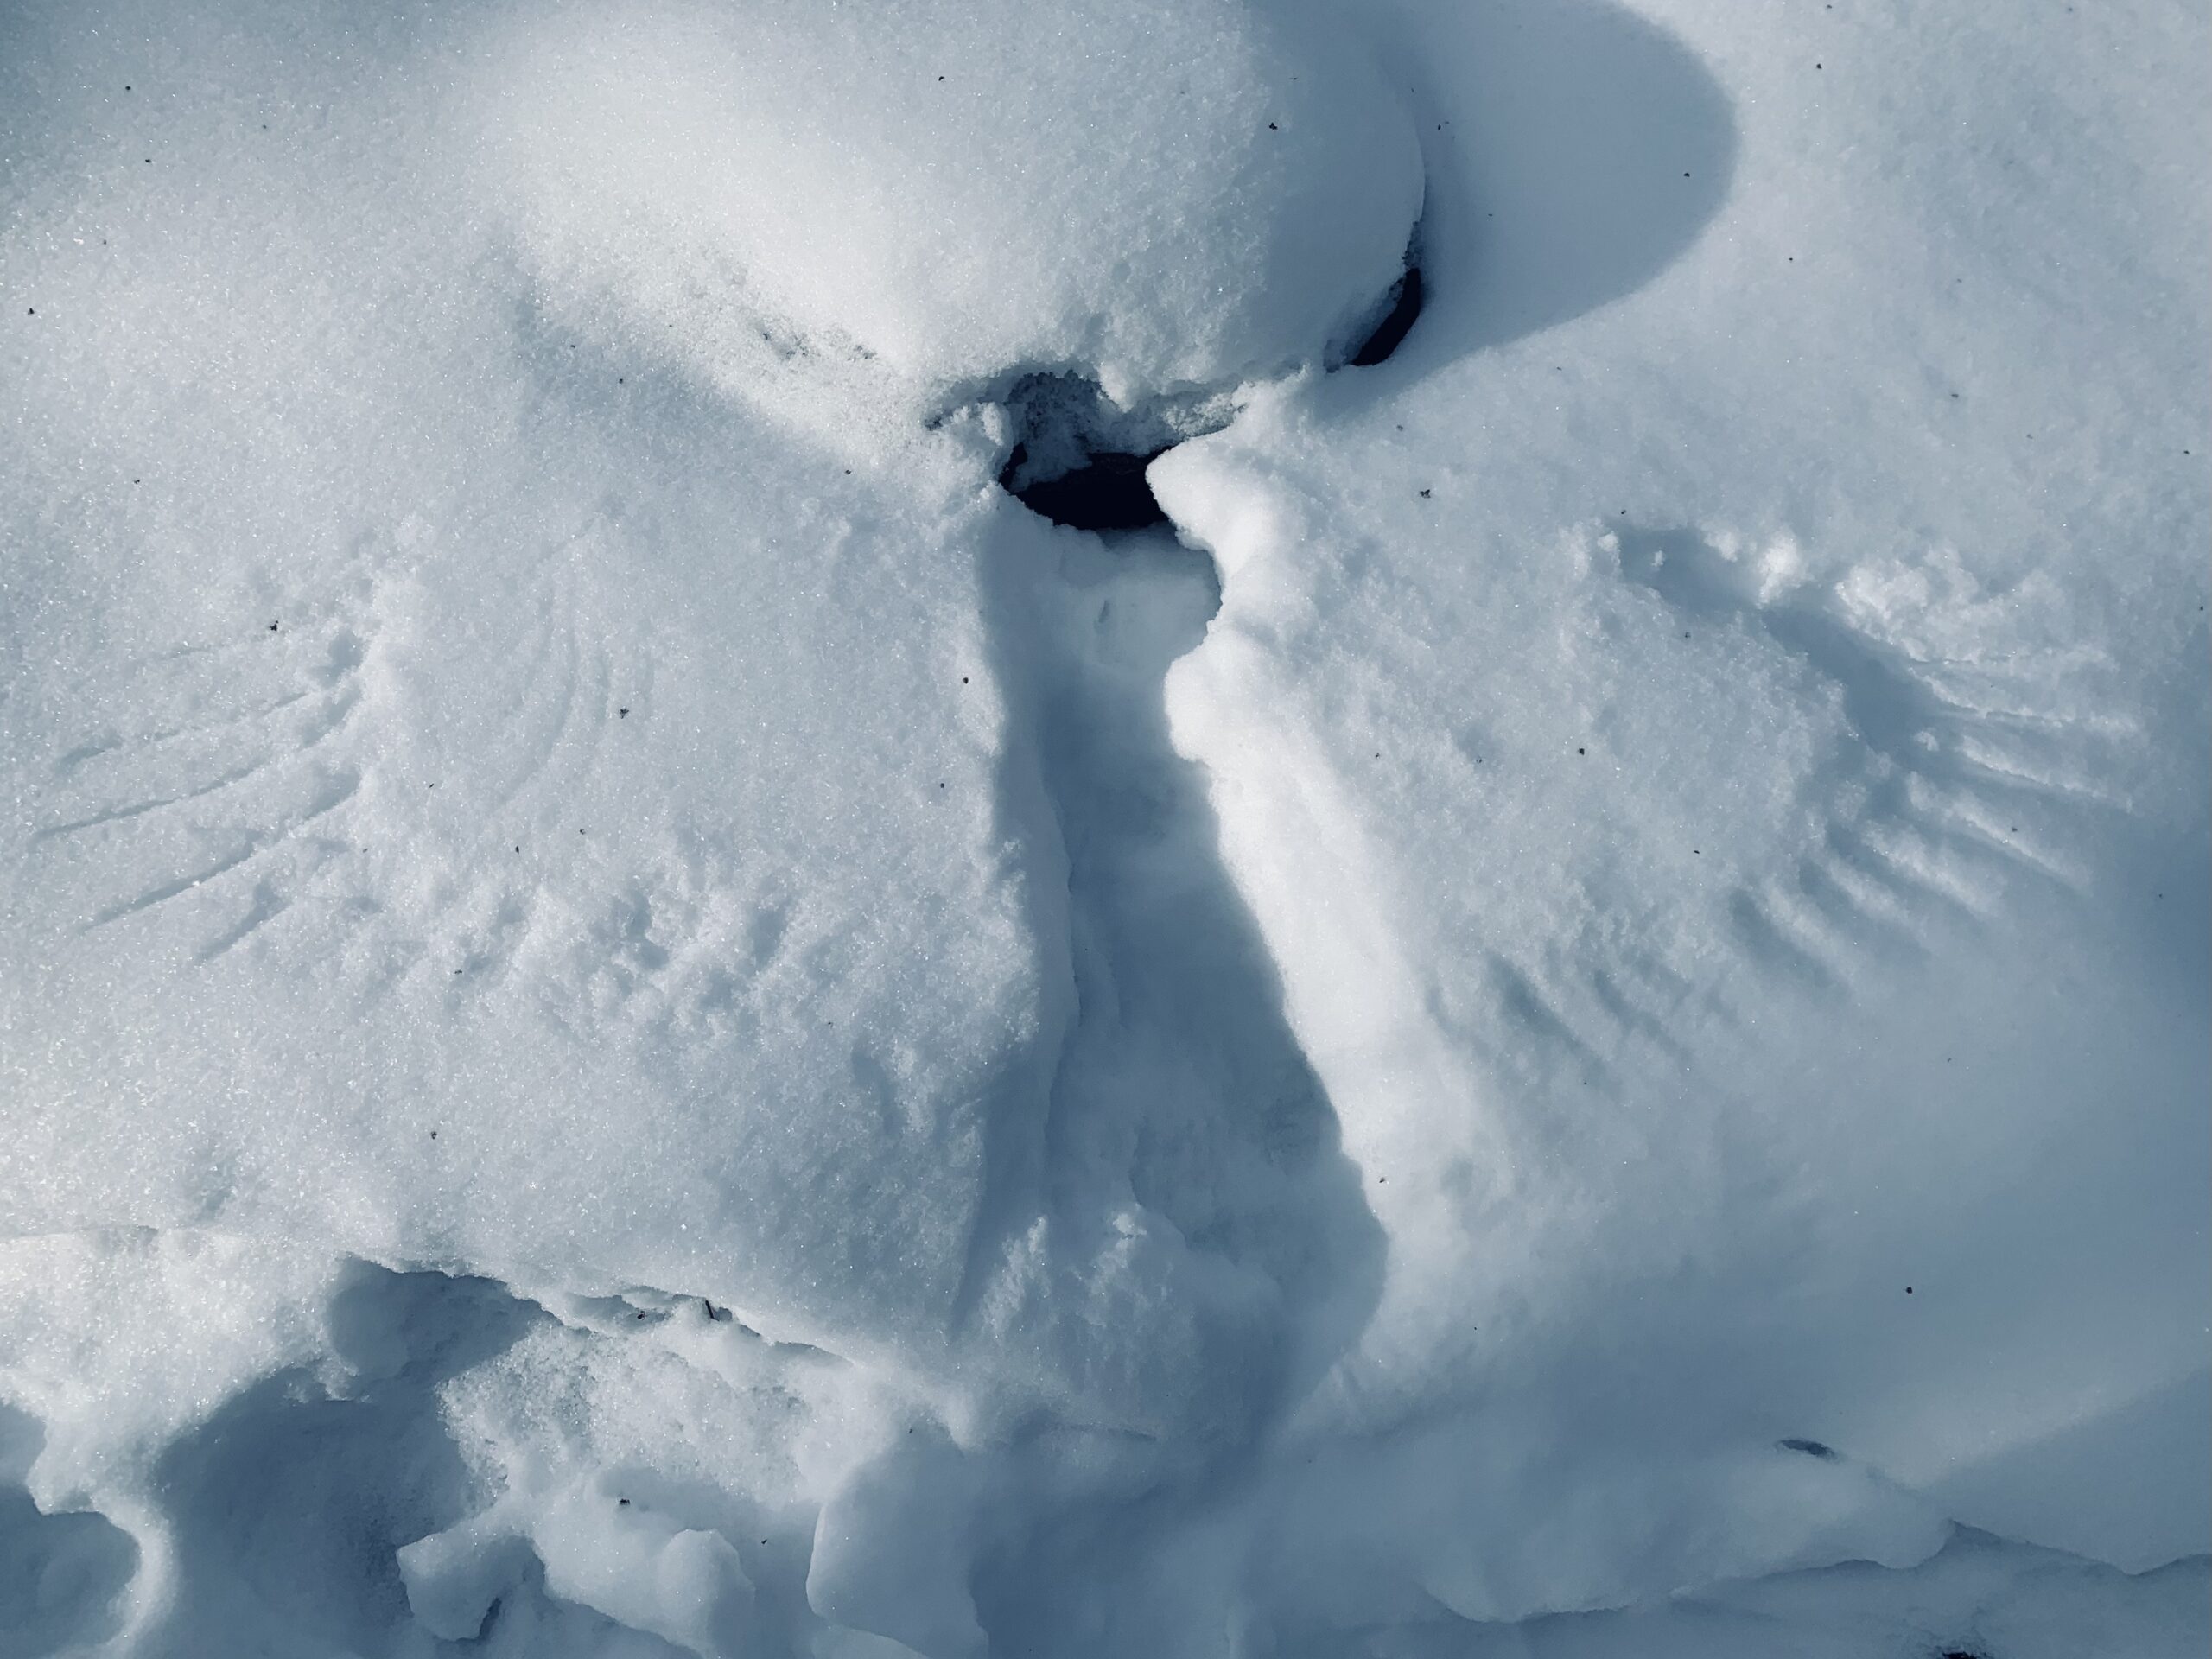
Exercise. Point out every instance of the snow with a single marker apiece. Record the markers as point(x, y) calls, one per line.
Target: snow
point(908, 207)
point(1849, 1000)
point(638, 1016)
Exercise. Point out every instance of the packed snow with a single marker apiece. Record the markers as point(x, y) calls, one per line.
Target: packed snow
point(1538, 985)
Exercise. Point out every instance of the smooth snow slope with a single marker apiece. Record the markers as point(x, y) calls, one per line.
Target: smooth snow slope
point(638, 1016)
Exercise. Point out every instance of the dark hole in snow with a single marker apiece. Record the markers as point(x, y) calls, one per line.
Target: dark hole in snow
point(1107, 492)
point(1810, 1448)
point(1397, 322)
point(1078, 458)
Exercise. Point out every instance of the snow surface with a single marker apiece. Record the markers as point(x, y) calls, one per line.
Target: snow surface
point(638, 1016)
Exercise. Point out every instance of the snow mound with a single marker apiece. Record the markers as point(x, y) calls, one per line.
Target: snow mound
point(907, 206)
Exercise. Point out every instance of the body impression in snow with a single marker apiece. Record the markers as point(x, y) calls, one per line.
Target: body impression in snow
point(924, 1084)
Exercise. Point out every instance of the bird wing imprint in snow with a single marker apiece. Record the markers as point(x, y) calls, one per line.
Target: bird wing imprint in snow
point(378, 764)
point(1966, 750)
point(1958, 743)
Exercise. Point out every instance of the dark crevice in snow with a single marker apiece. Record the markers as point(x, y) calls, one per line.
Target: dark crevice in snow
point(1107, 492)
point(1383, 327)
point(1405, 300)
point(1078, 458)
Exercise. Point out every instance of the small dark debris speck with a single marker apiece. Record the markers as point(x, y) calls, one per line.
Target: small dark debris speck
point(1272, 127)
point(1424, 495)
point(1810, 1448)
point(622, 714)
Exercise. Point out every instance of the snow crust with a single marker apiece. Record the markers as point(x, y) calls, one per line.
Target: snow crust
point(638, 1017)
